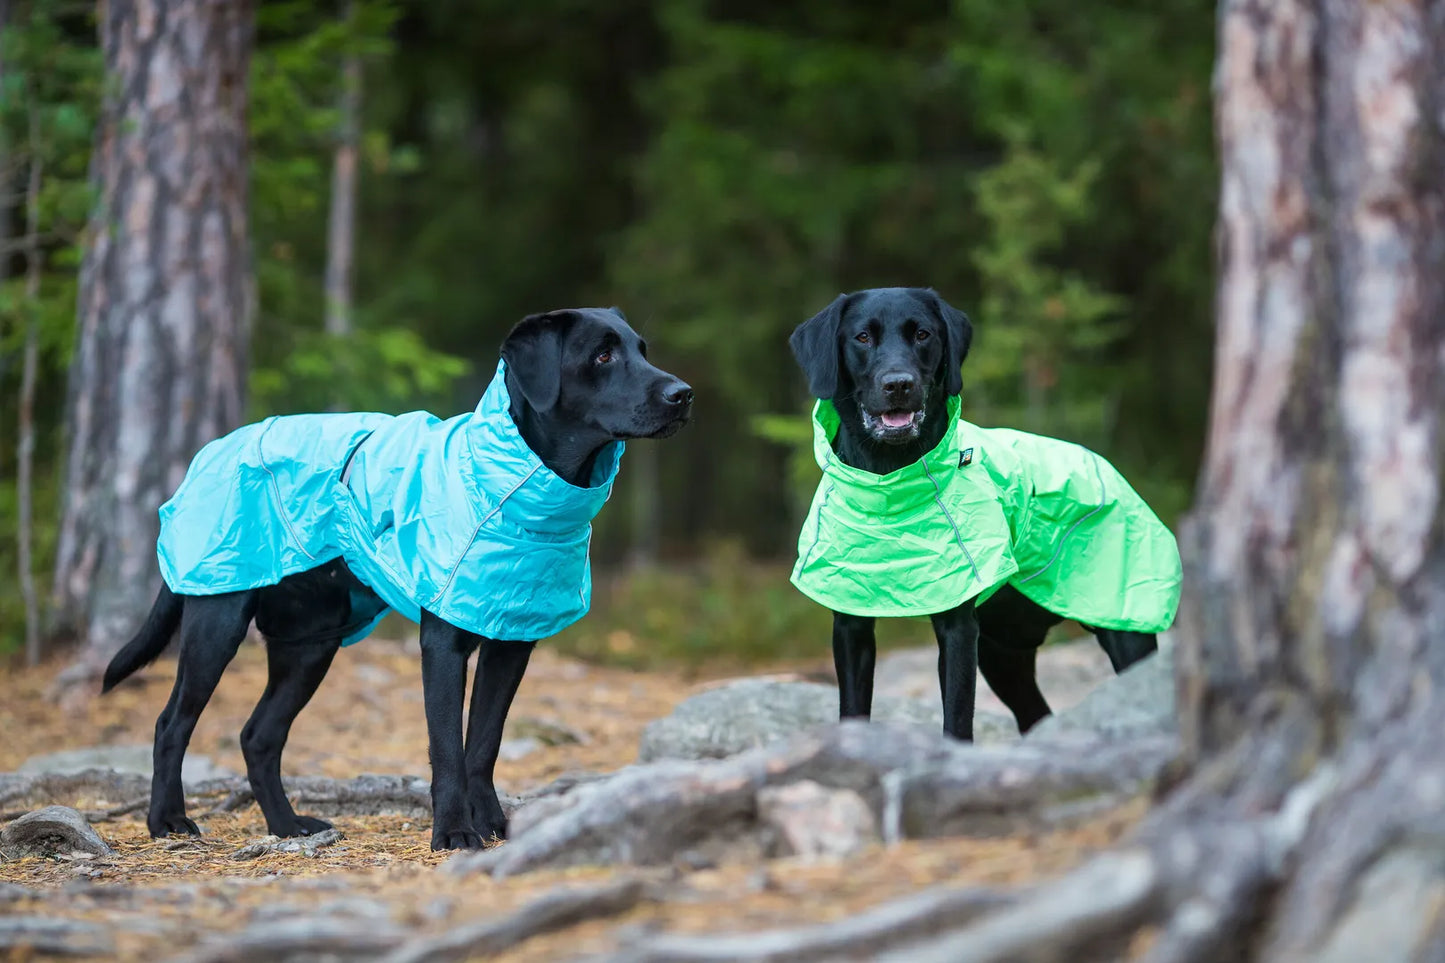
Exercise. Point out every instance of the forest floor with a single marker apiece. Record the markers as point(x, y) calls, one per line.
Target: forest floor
point(162, 898)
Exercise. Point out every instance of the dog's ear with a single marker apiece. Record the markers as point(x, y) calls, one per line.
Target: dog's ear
point(958, 331)
point(815, 346)
point(533, 353)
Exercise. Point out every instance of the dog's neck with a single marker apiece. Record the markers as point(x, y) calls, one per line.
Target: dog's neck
point(567, 449)
point(858, 449)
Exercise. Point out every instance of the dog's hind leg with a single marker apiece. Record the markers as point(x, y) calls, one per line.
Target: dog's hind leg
point(293, 673)
point(1126, 648)
point(212, 628)
point(500, 667)
point(1010, 672)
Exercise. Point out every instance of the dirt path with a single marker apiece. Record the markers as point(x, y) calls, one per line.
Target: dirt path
point(159, 898)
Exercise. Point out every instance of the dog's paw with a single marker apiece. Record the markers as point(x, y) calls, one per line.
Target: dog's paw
point(491, 826)
point(463, 838)
point(299, 826)
point(172, 826)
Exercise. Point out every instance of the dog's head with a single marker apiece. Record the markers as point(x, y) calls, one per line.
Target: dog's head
point(587, 368)
point(892, 352)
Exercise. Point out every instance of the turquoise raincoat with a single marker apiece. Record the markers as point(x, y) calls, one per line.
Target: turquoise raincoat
point(986, 506)
point(458, 517)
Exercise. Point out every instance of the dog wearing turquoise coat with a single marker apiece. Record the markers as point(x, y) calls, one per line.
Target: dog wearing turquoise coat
point(477, 527)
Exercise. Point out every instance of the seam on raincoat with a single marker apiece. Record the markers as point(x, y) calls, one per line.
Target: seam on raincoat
point(351, 456)
point(818, 526)
point(457, 562)
point(276, 491)
point(1059, 548)
point(958, 536)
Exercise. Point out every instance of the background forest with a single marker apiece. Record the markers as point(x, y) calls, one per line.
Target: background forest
point(719, 170)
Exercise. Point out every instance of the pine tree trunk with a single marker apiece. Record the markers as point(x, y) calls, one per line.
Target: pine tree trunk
point(1312, 631)
point(29, 375)
point(164, 306)
point(341, 225)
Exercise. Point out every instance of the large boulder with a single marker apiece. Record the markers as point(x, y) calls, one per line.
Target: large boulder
point(748, 713)
point(1137, 702)
point(1067, 671)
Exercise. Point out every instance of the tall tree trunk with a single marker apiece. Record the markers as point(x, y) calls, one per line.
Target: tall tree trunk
point(29, 374)
point(341, 226)
point(1316, 553)
point(164, 306)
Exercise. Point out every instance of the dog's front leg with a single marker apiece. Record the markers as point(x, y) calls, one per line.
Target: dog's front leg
point(444, 652)
point(957, 633)
point(854, 652)
point(500, 667)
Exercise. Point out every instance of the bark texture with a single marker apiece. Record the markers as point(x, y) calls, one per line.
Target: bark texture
point(165, 299)
point(341, 221)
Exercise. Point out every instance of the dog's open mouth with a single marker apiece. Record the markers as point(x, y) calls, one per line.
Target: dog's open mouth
point(894, 425)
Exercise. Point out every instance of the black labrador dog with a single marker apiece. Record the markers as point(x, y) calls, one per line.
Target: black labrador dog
point(577, 381)
point(888, 359)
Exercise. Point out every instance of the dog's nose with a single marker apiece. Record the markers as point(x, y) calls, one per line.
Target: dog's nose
point(678, 394)
point(898, 383)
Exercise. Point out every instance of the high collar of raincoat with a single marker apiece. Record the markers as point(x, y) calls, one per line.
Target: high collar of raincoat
point(904, 490)
point(509, 473)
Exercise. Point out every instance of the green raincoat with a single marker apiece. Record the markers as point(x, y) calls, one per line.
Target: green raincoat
point(985, 507)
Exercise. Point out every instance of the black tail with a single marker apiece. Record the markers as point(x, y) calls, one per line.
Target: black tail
point(149, 642)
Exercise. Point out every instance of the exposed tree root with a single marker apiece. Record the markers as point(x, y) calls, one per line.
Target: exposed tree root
point(919, 915)
point(21, 936)
point(555, 910)
point(918, 783)
point(362, 796)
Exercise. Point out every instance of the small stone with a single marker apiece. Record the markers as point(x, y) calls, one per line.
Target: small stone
point(513, 749)
point(815, 822)
point(548, 732)
point(51, 831)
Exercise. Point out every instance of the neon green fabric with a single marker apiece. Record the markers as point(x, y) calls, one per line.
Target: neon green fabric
point(923, 539)
point(985, 507)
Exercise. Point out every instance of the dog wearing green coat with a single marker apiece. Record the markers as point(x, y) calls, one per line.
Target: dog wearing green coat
point(997, 535)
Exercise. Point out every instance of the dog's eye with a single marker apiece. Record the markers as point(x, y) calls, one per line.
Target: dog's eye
point(863, 338)
point(604, 358)
point(922, 335)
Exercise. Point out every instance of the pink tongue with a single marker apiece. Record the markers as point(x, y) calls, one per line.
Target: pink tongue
point(896, 419)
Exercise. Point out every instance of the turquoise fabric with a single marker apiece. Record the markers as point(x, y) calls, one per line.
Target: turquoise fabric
point(455, 516)
point(985, 507)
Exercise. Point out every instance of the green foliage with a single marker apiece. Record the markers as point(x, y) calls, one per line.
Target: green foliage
point(721, 610)
point(389, 369)
point(295, 88)
point(720, 171)
point(49, 92)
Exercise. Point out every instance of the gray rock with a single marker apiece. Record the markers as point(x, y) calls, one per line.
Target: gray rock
point(549, 732)
point(816, 822)
point(748, 713)
point(125, 759)
point(513, 749)
point(54, 829)
point(1138, 702)
point(1067, 672)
